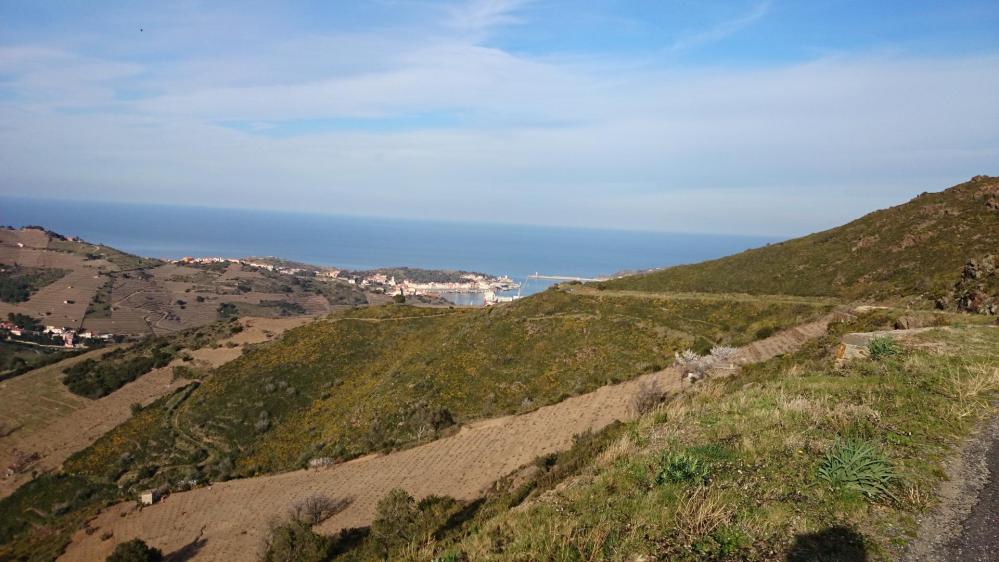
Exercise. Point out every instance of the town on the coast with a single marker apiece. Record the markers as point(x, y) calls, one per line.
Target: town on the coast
point(432, 283)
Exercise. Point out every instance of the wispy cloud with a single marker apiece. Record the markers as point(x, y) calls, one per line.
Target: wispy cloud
point(722, 30)
point(481, 16)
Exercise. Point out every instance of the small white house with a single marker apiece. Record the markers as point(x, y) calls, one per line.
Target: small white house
point(149, 497)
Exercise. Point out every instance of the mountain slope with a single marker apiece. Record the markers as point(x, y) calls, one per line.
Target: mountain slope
point(915, 249)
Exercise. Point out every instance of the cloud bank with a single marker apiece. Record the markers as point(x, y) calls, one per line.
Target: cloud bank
point(431, 117)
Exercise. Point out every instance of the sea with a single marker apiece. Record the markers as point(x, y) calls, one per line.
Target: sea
point(358, 243)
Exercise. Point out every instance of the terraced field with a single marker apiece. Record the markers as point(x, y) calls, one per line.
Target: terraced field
point(228, 520)
point(64, 302)
point(138, 296)
point(55, 423)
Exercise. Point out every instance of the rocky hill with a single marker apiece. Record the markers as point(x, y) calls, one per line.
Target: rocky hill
point(935, 248)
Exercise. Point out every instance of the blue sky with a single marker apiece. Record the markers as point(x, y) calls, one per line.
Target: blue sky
point(772, 117)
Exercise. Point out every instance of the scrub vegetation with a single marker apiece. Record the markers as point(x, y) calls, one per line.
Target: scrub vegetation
point(380, 378)
point(793, 459)
point(917, 251)
point(17, 283)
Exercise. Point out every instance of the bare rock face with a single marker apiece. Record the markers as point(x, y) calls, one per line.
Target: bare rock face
point(978, 288)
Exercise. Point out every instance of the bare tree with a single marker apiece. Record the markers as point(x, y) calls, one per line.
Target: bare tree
point(646, 397)
point(316, 508)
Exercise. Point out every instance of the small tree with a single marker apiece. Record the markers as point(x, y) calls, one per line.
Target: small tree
point(314, 509)
point(135, 550)
point(294, 541)
point(397, 519)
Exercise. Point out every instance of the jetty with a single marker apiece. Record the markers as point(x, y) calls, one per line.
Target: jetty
point(537, 275)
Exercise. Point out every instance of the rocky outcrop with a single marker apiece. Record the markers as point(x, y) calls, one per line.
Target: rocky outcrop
point(978, 288)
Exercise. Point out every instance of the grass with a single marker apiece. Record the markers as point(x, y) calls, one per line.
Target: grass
point(882, 346)
point(913, 250)
point(857, 466)
point(387, 377)
point(792, 459)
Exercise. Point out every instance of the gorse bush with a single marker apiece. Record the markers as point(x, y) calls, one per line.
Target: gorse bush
point(857, 466)
point(135, 550)
point(883, 346)
point(294, 541)
point(682, 468)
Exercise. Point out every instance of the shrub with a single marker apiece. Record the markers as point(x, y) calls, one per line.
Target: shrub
point(681, 468)
point(882, 346)
point(857, 466)
point(315, 509)
point(295, 541)
point(135, 550)
point(397, 519)
point(399, 299)
point(647, 396)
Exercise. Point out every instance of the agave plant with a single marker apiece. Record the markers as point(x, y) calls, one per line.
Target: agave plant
point(682, 468)
point(882, 346)
point(857, 466)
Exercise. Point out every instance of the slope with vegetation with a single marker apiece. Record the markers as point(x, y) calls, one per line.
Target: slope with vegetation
point(916, 250)
point(795, 459)
point(17, 283)
point(381, 378)
point(94, 378)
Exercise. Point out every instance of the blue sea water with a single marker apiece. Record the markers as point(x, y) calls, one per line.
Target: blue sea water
point(166, 231)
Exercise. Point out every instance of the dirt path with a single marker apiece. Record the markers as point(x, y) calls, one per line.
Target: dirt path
point(75, 422)
point(965, 526)
point(725, 297)
point(231, 518)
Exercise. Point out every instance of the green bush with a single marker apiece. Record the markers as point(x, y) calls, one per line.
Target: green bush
point(295, 541)
point(681, 468)
point(882, 346)
point(397, 519)
point(135, 550)
point(857, 466)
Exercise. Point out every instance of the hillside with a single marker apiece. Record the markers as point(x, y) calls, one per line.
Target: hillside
point(918, 249)
point(67, 282)
point(379, 378)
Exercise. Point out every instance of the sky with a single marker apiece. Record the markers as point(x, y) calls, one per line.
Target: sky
point(766, 117)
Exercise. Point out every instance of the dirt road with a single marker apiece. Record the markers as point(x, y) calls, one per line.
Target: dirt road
point(965, 526)
point(230, 518)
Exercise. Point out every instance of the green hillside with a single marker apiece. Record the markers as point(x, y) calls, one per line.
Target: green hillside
point(796, 459)
point(379, 378)
point(918, 249)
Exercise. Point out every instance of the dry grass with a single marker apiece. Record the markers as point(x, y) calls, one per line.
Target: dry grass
point(698, 513)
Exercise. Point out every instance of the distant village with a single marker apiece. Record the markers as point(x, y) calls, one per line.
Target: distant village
point(52, 335)
point(376, 282)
